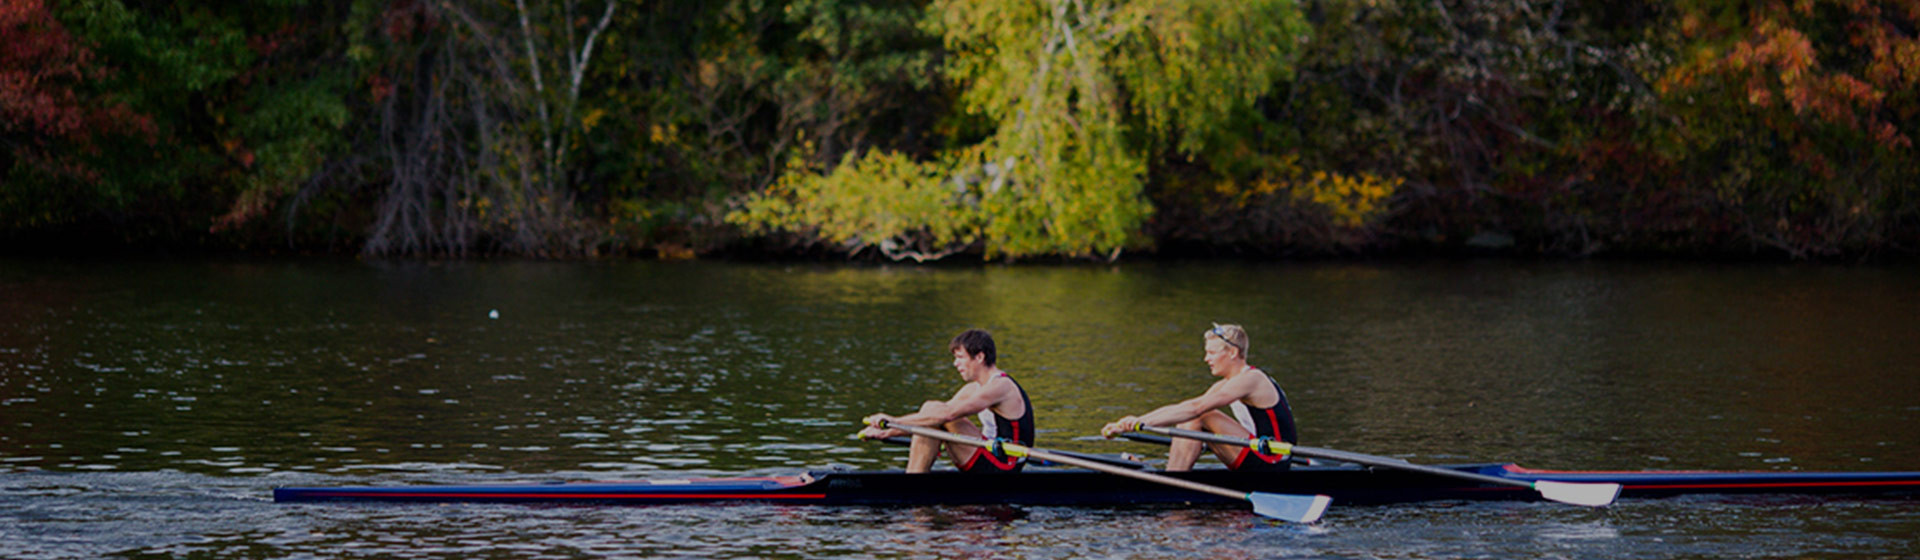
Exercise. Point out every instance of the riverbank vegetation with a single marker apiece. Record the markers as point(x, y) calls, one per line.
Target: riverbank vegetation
point(998, 129)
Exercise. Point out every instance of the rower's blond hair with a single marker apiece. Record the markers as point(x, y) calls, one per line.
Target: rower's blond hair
point(1233, 335)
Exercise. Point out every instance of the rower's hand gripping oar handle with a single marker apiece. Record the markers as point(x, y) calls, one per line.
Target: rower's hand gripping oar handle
point(996, 446)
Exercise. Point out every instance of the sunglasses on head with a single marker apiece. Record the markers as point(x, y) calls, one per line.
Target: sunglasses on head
point(1217, 331)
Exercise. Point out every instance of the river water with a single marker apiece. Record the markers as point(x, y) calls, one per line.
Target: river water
point(148, 408)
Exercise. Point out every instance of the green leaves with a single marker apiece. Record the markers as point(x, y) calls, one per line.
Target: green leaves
point(1190, 68)
point(1078, 94)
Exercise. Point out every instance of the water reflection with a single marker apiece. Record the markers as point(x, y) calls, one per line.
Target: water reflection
point(64, 515)
point(1594, 530)
point(177, 393)
point(331, 367)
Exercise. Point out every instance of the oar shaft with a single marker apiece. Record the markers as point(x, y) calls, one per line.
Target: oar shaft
point(1148, 438)
point(1017, 449)
point(1142, 475)
point(1389, 462)
point(1104, 459)
point(1335, 455)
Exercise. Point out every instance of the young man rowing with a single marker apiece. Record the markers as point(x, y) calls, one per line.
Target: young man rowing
point(1004, 409)
point(1259, 406)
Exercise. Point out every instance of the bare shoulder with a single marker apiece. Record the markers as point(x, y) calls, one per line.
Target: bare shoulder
point(1248, 384)
point(1259, 375)
point(1001, 384)
point(1259, 388)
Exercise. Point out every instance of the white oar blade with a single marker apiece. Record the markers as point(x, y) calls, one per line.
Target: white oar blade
point(1290, 507)
point(1577, 493)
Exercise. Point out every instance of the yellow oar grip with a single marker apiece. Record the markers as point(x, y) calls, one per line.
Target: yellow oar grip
point(1270, 446)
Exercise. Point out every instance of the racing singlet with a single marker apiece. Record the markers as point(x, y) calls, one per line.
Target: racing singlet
point(993, 426)
point(1273, 422)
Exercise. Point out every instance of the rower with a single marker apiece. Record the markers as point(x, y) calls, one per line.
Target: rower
point(1259, 407)
point(1004, 410)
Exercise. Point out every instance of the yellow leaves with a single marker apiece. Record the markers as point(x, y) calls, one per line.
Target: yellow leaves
point(631, 210)
point(662, 134)
point(1243, 195)
point(1352, 199)
point(863, 203)
point(707, 72)
point(477, 205)
point(592, 118)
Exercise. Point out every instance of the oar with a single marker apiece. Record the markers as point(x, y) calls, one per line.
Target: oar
point(1289, 507)
point(1108, 459)
point(1147, 438)
point(1585, 494)
point(1164, 440)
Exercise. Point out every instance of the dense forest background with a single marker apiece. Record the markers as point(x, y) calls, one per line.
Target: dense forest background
point(998, 129)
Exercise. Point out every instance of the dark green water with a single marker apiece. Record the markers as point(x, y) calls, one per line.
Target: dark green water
point(148, 408)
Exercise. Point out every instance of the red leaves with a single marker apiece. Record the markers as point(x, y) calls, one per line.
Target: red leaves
point(40, 66)
point(1777, 63)
point(380, 87)
point(405, 17)
point(266, 45)
point(37, 56)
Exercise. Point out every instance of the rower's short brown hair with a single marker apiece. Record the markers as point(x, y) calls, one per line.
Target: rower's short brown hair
point(976, 342)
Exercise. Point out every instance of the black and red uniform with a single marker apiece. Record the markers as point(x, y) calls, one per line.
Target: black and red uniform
point(1016, 430)
point(1273, 422)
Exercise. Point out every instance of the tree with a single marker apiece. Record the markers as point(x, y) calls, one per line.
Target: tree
point(183, 110)
point(51, 126)
point(1072, 96)
point(1797, 116)
point(478, 112)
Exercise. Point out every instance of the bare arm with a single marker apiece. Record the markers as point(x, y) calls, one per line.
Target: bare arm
point(969, 400)
point(1222, 393)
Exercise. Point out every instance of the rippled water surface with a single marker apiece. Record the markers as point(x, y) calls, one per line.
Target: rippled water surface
point(148, 408)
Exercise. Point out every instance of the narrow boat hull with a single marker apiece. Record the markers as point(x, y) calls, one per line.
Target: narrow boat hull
point(1347, 485)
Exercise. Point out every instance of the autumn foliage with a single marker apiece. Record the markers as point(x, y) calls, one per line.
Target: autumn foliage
point(993, 129)
point(1811, 108)
point(48, 119)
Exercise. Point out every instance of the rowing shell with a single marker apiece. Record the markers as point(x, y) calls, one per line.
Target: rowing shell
point(1345, 484)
